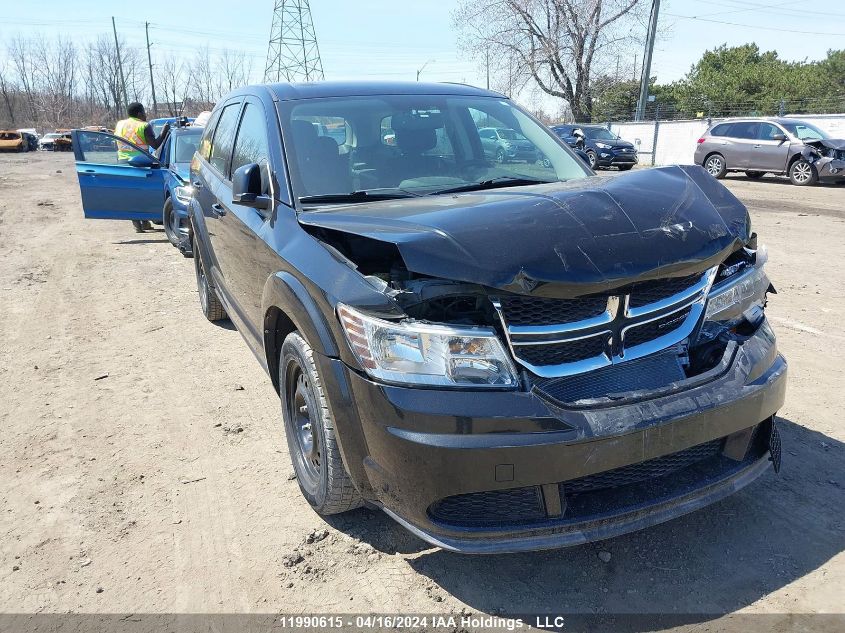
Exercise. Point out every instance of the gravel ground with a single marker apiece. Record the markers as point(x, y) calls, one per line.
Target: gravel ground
point(144, 468)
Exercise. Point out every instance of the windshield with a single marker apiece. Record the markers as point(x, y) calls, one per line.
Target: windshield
point(599, 134)
point(511, 135)
point(404, 145)
point(50, 137)
point(804, 131)
point(185, 145)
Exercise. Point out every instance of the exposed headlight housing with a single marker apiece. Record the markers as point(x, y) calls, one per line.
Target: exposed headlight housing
point(427, 355)
point(184, 194)
point(740, 296)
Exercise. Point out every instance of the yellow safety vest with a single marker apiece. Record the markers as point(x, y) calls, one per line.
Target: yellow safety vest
point(132, 130)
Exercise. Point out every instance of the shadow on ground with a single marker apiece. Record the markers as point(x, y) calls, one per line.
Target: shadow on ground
point(711, 562)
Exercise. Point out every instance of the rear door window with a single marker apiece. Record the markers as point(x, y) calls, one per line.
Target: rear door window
point(722, 129)
point(745, 130)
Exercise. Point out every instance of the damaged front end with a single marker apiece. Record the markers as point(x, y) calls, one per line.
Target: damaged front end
point(560, 363)
point(585, 278)
point(827, 156)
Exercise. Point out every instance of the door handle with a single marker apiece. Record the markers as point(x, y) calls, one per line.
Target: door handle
point(757, 146)
point(218, 209)
point(90, 171)
point(197, 184)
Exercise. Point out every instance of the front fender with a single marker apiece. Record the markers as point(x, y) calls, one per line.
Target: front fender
point(285, 292)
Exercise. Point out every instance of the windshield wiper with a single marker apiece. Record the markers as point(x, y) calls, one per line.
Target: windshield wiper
point(362, 195)
point(493, 183)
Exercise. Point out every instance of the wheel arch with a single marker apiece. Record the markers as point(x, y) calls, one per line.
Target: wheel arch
point(287, 306)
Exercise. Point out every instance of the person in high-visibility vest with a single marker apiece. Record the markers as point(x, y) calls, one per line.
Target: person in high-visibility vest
point(137, 131)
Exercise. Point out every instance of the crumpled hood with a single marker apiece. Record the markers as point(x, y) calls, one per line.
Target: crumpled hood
point(559, 239)
point(831, 143)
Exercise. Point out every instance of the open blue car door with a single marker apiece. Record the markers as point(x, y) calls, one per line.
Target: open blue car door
point(115, 189)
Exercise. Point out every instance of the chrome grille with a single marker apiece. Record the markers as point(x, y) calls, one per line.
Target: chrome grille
point(567, 338)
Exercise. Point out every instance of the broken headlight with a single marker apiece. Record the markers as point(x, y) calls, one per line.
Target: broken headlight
point(740, 297)
point(423, 354)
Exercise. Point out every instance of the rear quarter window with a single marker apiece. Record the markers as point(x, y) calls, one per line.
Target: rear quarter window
point(723, 129)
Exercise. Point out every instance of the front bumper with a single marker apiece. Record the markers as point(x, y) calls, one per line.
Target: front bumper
point(611, 158)
point(408, 450)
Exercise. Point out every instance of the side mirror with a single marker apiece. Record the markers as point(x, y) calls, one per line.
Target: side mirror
point(583, 156)
point(142, 161)
point(779, 137)
point(246, 187)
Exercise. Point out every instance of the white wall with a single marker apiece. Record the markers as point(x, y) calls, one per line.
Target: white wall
point(676, 140)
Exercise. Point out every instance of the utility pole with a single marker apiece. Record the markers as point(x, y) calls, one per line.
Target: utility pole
point(487, 63)
point(119, 64)
point(649, 50)
point(150, 62)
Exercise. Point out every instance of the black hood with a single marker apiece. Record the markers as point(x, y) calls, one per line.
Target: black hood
point(560, 239)
point(620, 144)
point(831, 143)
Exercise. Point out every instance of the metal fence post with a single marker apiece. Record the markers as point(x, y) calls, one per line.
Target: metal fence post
point(656, 130)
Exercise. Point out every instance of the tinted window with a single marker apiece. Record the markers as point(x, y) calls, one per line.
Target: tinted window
point(768, 132)
point(599, 133)
point(224, 137)
point(747, 129)
point(251, 144)
point(721, 130)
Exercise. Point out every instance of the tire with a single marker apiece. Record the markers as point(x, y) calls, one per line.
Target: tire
point(140, 225)
point(500, 155)
point(309, 429)
point(209, 302)
point(715, 165)
point(594, 160)
point(546, 163)
point(625, 167)
point(171, 223)
point(755, 175)
point(802, 173)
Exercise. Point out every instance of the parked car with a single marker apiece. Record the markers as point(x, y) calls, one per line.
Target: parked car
point(500, 361)
point(31, 136)
point(153, 187)
point(46, 141)
point(174, 156)
point(503, 144)
point(782, 146)
point(63, 142)
point(603, 147)
point(13, 141)
point(158, 124)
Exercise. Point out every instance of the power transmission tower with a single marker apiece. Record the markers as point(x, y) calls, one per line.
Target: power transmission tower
point(293, 54)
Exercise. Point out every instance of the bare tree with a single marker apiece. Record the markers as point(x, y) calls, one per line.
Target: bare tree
point(7, 90)
point(558, 44)
point(234, 70)
point(172, 81)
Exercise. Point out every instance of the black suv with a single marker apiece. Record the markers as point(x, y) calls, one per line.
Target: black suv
point(501, 356)
point(603, 147)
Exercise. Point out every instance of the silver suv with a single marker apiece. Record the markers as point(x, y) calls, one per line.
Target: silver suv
point(782, 146)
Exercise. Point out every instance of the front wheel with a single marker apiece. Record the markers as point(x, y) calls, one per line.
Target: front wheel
point(802, 173)
point(716, 166)
point(594, 160)
point(500, 156)
point(209, 302)
point(310, 432)
point(170, 219)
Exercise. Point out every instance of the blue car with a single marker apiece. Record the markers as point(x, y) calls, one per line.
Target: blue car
point(158, 124)
point(148, 187)
point(602, 147)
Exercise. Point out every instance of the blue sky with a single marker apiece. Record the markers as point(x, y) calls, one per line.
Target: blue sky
point(391, 40)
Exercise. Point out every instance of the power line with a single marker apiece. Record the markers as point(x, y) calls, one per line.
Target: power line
point(753, 26)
